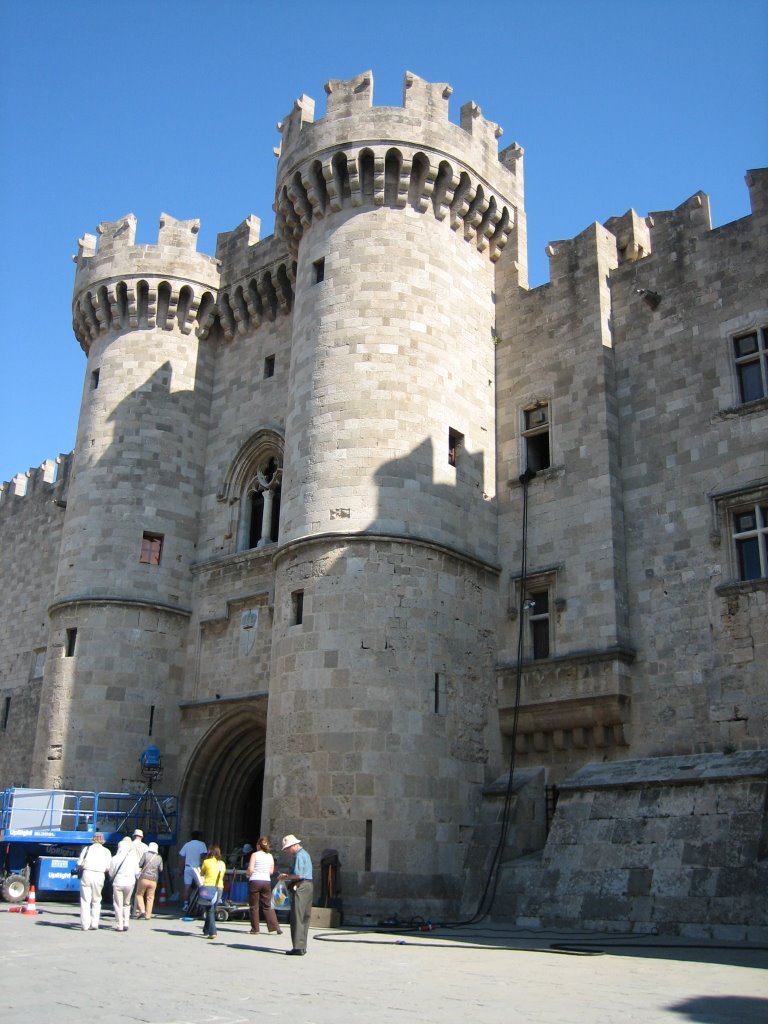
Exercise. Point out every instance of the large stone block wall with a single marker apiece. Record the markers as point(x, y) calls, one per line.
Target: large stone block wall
point(701, 636)
point(376, 385)
point(139, 449)
point(665, 845)
point(381, 711)
point(111, 697)
point(31, 520)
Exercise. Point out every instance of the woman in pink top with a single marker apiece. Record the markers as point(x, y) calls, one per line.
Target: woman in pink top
point(261, 867)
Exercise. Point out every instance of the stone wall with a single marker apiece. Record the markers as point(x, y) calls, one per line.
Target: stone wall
point(31, 519)
point(671, 845)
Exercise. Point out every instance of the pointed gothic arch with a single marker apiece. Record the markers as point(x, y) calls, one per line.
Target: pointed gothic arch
point(221, 793)
point(254, 480)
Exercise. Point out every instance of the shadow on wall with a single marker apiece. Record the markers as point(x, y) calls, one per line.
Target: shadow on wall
point(457, 514)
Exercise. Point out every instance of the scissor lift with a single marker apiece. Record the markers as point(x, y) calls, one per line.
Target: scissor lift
point(42, 832)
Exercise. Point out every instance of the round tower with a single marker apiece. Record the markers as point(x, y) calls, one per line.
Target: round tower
point(381, 720)
point(121, 606)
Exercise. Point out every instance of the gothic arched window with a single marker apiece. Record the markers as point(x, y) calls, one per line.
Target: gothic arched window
point(252, 486)
point(260, 506)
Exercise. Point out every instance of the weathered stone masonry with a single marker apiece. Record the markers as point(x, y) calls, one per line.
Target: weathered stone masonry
point(289, 547)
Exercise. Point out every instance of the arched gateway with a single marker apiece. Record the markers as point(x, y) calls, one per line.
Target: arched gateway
point(221, 793)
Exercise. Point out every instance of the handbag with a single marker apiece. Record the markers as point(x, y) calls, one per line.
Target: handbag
point(208, 894)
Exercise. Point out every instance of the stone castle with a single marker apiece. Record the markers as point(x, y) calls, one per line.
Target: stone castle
point(357, 522)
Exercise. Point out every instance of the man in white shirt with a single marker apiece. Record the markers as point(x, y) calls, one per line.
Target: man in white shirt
point(190, 856)
point(94, 861)
point(138, 843)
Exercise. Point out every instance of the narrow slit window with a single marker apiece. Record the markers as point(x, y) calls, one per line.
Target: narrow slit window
point(269, 367)
point(368, 844)
point(70, 642)
point(318, 270)
point(151, 719)
point(439, 693)
point(6, 712)
point(297, 602)
point(151, 549)
point(455, 443)
point(95, 374)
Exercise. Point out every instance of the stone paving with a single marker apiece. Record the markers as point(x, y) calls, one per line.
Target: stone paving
point(164, 972)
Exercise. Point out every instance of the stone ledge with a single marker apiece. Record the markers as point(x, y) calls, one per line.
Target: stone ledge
point(680, 770)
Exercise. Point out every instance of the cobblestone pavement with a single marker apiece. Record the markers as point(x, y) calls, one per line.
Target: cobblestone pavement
point(164, 972)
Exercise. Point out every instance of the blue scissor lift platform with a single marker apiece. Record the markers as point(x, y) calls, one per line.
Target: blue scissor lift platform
point(42, 832)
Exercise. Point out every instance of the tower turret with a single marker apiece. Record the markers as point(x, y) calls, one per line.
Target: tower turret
point(386, 568)
point(122, 593)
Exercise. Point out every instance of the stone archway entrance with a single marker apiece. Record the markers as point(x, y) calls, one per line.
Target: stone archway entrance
point(222, 790)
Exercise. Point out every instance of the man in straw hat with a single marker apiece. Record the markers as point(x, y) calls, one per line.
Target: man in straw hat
point(299, 881)
point(93, 862)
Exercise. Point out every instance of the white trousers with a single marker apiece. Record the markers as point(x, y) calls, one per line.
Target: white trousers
point(91, 885)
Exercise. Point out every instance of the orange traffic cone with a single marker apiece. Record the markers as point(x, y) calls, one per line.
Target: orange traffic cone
point(31, 907)
point(162, 897)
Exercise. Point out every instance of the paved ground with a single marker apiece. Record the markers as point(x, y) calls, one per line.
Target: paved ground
point(164, 972)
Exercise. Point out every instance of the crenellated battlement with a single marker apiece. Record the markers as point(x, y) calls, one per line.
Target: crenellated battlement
point(257, 279)
point(662, 230)
point(123, 286)
point(360, 155)
point(45, 481)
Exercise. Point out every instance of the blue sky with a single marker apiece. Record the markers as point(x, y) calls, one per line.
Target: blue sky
point(114, 107)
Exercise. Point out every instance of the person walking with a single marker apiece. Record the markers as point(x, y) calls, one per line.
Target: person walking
point(261, 867)
point(93, 863)
point(299, 881)
point(124, 870)
point(151, 865)
point(138, 843)
point(212, 869)
point(190, 856)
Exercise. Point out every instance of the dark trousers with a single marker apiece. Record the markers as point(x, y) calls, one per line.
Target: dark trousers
point(260, 899)
point(301, 910)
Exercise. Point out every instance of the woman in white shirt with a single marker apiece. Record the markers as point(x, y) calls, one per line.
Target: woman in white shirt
point(261, 867)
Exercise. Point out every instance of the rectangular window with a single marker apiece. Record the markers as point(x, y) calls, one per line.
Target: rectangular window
point(750, 354)
point(38, 664)
point(537, 605)
point(151, 548)
point(297, 606)
point(269, 367)
point(536, 437)
point(70, 642)
point(455, 443)
point(750, 536)
point(6, 712)
point(318, 271)
point(94, 379)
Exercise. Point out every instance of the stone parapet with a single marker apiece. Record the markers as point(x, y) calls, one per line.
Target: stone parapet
point(359, 155)
point(123, 286)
